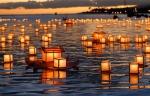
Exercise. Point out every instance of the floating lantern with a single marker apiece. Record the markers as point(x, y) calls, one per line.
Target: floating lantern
point(105, 66)
point(22, 39)
point(124, 39)
point(147, 49)
point(27, 38)
point(111, 38)
point(3, 39)
point(10, 36)
point(88, 43)
point(48, 54)
point(102, 40)
point(84, 37)
point(60, 63)
point(32, 50)
point(45, 38)
point(145, 38)
point(8, 58)
point(139, 59)
point(138, 39)
point(134, 68)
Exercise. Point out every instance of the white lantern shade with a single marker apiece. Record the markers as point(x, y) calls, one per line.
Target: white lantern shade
point(8, 58)
point(60, 63)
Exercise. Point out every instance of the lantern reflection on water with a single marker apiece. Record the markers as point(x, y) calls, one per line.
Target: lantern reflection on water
point(53, 77)
point(134, 80)
point(105, 78)
point(48, 54)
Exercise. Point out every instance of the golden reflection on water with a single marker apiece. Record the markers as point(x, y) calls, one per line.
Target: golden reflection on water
point(53, 77)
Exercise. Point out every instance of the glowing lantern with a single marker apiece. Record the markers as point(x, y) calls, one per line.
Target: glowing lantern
point(60, 63)
point(84, 37)
point(32, 50)
point(22, 39)
point(88, 43)
point(10, 36)
point(3, 39)
point(45, 38)
point(8, 58)
point(139, 59)
point(145, 38)
point(103, 40)
point(105, 66)
point(111, 38)
point(147, 49)
point(124, 39)
point(138, 39)
point(48, 54)
point(27, 38)
point(134, 68)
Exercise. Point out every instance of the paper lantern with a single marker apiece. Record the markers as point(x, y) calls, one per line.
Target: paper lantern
point(133, 68)
point(102, 40)
point(88, 43)
point(111, 38)
point(3, 39)
point(8, 58)
point(22, 39)
point(60, 63)
point(138, 39)
point(84, 37)
point(27, 38)
point(10, 36)
point(145, 38)
point(45, 38)
point(124, 39)
point(139, 59)
point(32, 50)
point(147, 49)
point(105, 66)
point(48, 54)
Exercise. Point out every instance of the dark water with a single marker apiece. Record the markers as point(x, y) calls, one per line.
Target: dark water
point(85, 81)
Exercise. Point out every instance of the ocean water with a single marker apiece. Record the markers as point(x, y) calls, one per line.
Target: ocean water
point(88, 79)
